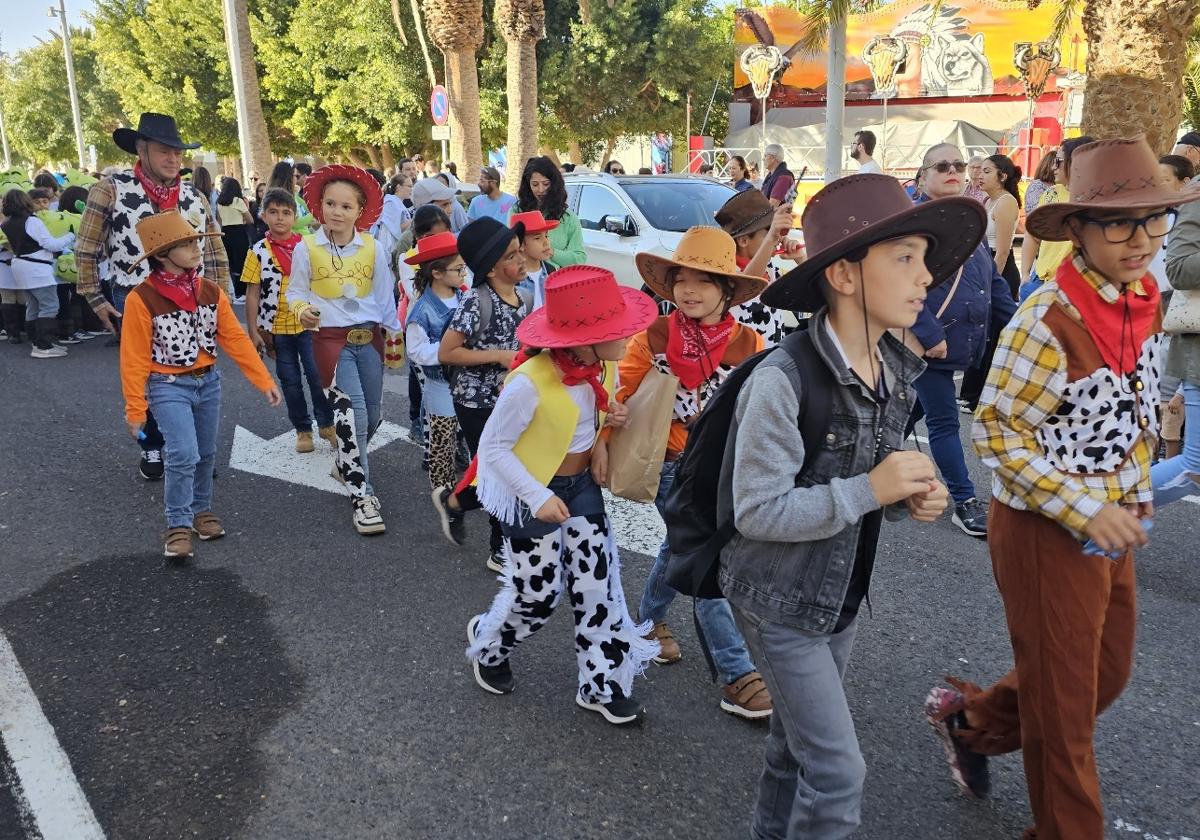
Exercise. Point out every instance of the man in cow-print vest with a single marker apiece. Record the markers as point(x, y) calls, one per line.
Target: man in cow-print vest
point(107, 235)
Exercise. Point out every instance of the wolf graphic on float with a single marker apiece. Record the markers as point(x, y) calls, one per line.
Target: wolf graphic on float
point(946, 59)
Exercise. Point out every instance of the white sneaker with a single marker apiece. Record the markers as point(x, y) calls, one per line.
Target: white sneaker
point(367, 518)
point(83, 336)
point(51, 352)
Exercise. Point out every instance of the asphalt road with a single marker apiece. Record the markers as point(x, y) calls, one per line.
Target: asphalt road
point(300, 681)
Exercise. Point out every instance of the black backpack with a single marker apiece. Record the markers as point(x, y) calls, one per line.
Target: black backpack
point(693, 533)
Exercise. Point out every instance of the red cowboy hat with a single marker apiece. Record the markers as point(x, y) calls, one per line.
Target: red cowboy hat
point(534, 222)
point(585, 305)
point(365, 181)
point(433, 248)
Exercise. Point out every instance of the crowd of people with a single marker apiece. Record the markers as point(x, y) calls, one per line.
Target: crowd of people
point(764, 412)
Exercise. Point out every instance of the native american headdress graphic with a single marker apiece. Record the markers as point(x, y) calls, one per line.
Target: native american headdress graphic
point(1035, 62)
point(883, 56)
point(763, 62)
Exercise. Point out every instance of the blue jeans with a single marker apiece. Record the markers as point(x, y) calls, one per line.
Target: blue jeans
point(359, 374)
point(1175, 478)
point(714, 615)
point(152, 436)
point(294, 353)
point(579, 493)
point(935, 390)
point(813, 771)
point(189, 409)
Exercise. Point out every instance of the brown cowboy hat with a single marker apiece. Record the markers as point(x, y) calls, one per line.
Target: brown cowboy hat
point(863, 210)
point(1120, 174)
point(165, 230)
point(703, 248)
point(746, 213)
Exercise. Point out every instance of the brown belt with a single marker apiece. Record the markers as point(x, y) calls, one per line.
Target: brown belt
point(672, 455)
point(197, 372)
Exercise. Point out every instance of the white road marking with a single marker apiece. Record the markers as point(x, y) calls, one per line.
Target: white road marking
point(55, 801)
point(278, 458)
point(1121, 825)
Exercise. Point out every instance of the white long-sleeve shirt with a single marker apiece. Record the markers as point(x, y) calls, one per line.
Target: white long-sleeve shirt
point(379, 306)
point(28, 274)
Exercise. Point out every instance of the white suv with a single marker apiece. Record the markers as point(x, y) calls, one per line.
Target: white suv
point(627, 214)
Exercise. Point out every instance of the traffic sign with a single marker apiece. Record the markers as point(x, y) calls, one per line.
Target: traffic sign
point(439, 105)
point(441, 132)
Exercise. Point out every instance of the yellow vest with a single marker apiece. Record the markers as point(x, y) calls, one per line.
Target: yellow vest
point(544, 443)
point(1051, 254)
point(352, 279)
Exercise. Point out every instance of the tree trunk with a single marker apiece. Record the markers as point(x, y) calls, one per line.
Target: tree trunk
point(609, 145)
point(416, 13)
point(399, 24)
point(576, 152)
point(356, 159)
point(261, 159)
point(389, 159)
point(523, 24)
point(1135, 64)
point(462, 85)
point(544, 151)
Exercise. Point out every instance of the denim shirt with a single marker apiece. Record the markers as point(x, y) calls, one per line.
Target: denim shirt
point(792, 558)
point(432, 316)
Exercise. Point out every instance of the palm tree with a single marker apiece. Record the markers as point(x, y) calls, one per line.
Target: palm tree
point(523, 24)
point(456, 28)
point(259, 152)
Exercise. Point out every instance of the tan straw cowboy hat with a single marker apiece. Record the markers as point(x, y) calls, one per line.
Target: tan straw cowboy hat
point(1119, 174)
point(703, 248)
point(165, 230)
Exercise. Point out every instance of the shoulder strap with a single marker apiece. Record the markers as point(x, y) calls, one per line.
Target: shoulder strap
point(953, 289)
point(815, 378)
point(484, 293)
point(526, 298)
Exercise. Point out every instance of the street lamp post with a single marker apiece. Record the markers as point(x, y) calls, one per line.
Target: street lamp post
point(61, 14)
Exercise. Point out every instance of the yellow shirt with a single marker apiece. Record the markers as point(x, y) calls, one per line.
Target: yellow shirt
point(1051, 254)
point(286, 322)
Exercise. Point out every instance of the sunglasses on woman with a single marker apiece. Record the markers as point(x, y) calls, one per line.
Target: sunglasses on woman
point(944, 166)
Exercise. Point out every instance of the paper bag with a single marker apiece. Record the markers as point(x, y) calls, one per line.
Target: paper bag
point(635, 452)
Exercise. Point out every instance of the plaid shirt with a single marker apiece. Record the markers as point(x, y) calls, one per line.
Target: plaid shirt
point(1024, 388)
point(91, 246)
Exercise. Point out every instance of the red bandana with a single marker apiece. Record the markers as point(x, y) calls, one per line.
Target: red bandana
point(693, 349)
point(1119, 328)
point(283, 250)
point(180, 289)
point(164, 198)
point(575, 372)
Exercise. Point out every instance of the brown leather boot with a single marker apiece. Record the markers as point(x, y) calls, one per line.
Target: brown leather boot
point(304, 441)
point(747, 697)
point(327, 433)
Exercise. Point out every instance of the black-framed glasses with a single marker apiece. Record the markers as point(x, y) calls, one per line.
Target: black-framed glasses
point(460, 270)
point(1059, 162)
point(1117, 231)
point(944, 166)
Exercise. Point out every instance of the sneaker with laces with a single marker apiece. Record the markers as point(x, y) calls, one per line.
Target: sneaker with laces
point(70, 339)
point(495, 562)
point(945, 712)
point(494, 679)
point(668, 648)
point(151, 465)
point(747, 697)
point(618, 710)
point(971, 517)
point(96, 333)
point(177, 544)
point(367, 517)
point(51, 352)
point(454, 524)
point(83, 336)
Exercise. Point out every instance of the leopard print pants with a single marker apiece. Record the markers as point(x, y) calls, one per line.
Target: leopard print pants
point(346, 453)
point(441, 442)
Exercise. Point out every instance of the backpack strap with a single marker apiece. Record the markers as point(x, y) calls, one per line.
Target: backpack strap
point(810, 376)
point(484, 296)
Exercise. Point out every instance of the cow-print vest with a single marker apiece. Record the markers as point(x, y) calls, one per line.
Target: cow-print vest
point(1101, 416)
point(131, 206)
point(178, 335)
point(271, 296)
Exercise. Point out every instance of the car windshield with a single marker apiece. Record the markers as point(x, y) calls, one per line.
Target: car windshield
point(676, 205)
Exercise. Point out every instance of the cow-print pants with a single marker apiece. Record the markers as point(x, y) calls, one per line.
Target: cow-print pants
point(579, 556)
point(346, 453)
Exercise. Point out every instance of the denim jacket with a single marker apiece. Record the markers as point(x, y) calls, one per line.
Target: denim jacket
point(433, 317)
point(797, 533)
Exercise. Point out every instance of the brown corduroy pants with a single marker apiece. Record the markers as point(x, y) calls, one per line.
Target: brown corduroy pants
point(1071, 618)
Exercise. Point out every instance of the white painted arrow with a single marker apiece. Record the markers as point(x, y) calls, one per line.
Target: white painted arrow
point(278, 458)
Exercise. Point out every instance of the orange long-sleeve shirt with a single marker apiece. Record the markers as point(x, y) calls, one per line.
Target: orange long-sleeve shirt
point(159, 337)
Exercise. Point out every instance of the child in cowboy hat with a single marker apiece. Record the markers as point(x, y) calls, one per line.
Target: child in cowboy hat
point(173, 324)
point(438, 283)
point(699, 343)
point(799, 566)
point(537, 251)
point(340, 286)
point(541, 466)
point(1067, 424)
point(759, 230)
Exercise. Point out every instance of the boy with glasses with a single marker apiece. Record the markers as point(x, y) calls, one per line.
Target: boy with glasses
point(1067, 423)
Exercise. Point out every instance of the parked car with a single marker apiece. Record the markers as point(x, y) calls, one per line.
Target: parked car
point(625, 215)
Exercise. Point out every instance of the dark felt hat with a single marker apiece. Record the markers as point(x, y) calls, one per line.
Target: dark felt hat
point(483, 242)
point(160, 128)
point(863, 210)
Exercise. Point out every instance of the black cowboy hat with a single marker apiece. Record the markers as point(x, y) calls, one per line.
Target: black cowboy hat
point(157, 127)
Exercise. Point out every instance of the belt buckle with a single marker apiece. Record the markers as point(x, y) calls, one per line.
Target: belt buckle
point(359, 336)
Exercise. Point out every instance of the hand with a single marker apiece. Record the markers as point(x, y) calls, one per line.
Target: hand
point(928, 506)
point(274, 396)
point(1175, 404)
point(504, 358)
point(937, 351)
point(555, 511)
point(618, 415)
point(902, 474)
point(600, 463)
point(108, 316)
point(268, 342)
point(793, 249)
point(256, 339)
point(135, 428)
point(781, 222)
point(310, 319)
point(1115, 529)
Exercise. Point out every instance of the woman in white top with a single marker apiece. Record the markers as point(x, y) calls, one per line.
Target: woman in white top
point(1000, 178)
point(236, 224)
point(34, 250)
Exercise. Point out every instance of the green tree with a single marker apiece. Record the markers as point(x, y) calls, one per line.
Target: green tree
point(37, 104)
